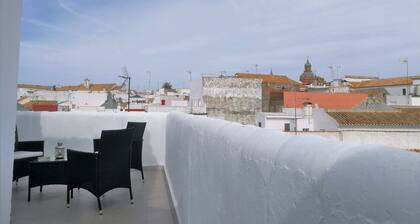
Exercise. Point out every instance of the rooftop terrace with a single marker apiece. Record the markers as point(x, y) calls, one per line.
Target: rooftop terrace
point(217, 172)
point(222, 172)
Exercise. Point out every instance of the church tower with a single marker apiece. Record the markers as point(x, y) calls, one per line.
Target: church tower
point(308, 66)
point(307, 77)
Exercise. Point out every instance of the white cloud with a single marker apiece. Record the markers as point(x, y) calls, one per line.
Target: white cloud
point(170, 37)
point(70, 10)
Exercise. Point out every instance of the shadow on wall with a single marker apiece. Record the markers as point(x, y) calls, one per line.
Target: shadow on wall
point(375, 184)
point(77, 130)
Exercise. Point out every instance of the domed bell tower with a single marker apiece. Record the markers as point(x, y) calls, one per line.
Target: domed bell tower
point(308, 66)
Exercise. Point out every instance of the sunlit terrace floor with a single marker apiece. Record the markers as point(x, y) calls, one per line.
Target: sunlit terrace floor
point(151, 203)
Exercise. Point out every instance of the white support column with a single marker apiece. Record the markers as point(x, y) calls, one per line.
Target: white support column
point(10, 12)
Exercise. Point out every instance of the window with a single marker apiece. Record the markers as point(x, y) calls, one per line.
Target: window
point(404, 92)
point(287, 127)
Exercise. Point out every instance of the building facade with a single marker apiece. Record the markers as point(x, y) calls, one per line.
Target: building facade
point(273, 87)
point(401, 91)
point(306, 119)
point(323, 100)
point(232, 99)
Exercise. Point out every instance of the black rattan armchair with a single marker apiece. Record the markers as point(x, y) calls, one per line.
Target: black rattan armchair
point(137, 147)
point(24, 153)
point(105, 170)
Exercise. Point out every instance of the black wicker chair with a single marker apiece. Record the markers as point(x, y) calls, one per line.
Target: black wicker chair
point(137, 148)
point(105, 170)
point(24, 153)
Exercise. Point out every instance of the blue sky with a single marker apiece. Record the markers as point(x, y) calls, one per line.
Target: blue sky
point(65, 41)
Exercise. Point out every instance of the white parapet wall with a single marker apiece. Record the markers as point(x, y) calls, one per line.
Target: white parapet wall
point(78, 129)
point(221, 172)
point(399, 138)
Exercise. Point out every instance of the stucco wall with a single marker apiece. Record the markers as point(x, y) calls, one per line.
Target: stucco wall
point(9, 58)
point(220, 172)
point(396, 100)
point(395, 90)
point(415, 100)
point(333, 135)
point(279, 124)
point(322, 121)
point(78, 129)
point(402, 139)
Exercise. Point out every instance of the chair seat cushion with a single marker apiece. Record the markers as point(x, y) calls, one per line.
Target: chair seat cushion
point(26, 154)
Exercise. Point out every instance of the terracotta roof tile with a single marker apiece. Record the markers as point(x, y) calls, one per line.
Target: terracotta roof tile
point(30, 86)
point(324, 100)
point(408, 109)
point(269, 78)
point(41, 102)
point(385, 82)
point(376, 118)
point(370, 92)
point(354, 76)
point(93, 87)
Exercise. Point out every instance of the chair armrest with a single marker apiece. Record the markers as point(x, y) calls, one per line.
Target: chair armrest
point(32, 146)
point(96, 144)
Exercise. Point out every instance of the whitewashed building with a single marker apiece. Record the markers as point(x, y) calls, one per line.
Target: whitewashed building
point(27, 90)
point(84, 97)
point(402, 91)
point(398, 129)
point(306, 119)
point(359, 78)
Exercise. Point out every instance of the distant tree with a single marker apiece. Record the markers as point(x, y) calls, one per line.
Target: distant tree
point(167, 86)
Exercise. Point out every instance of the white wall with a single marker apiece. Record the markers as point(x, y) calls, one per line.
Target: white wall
point(305, 123)
point(9, 58)
point(414, 101)
point(404, 139)
point(322, 121)
point(333, 135)
point(396, 100)
point(319, 120)
point(221, 172)
point(394, 96)
point(78, 129)
point(395, 90)
point(278, 124)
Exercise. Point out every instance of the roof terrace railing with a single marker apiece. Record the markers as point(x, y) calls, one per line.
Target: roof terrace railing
point(78, 129)
point(221, 172)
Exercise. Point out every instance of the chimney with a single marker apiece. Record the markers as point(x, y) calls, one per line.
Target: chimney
point(307, 109)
